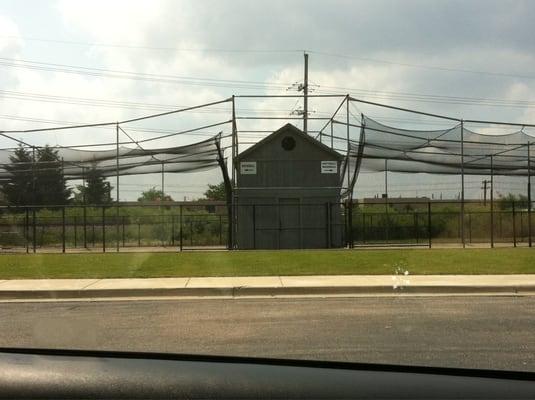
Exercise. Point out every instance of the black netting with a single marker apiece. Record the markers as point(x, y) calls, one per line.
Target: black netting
point(440, 151)
point(132, 161)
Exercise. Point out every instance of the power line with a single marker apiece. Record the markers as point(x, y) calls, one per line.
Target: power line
point(249, 85)
point(274, 51)
point(86, 101)
point(428, 98)
point(430, 67)
point(159, 48)
point(121, 74)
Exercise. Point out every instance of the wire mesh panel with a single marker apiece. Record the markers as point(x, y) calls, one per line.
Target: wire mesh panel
point(14, 234)
point(390, 223)
point(108, 228)
point(282, 225)
point(467, 153)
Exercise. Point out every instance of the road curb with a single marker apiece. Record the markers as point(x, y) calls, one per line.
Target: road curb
point(244, 291)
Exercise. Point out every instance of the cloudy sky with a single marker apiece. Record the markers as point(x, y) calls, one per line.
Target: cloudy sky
point(91, 61)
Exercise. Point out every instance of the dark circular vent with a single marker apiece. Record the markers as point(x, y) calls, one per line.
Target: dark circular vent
point(288, 143)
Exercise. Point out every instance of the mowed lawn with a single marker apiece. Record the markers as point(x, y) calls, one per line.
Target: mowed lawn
point(244, 263)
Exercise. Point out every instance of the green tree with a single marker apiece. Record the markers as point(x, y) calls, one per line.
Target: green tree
point(18, 190)
point(216, 192)
point(50, 184)
point(154, 195)
point(40, 182)
point(506, 202)
point(96, 189)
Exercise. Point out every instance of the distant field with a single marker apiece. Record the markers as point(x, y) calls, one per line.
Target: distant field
point(242, 263)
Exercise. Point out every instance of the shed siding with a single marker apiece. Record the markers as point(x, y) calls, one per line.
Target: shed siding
point(285, 204)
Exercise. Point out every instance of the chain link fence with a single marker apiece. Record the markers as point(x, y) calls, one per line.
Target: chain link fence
point(188, 226)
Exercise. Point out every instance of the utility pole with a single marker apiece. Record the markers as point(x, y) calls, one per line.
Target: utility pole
point(305, 98)
point(529, 194)
point(484, 188)
point(462, 184)
point(304, 88)
point(117, 183)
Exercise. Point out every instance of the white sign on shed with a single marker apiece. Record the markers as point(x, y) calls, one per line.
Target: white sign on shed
point(329, 167)
point(248, 167)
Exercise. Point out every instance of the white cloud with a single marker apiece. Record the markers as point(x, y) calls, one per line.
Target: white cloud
point(118, 21)
point(496, 38)
point(10, 41)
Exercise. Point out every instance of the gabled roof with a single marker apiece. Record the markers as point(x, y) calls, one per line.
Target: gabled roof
point(295, 130)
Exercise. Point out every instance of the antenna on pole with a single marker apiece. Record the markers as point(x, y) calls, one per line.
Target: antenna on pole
point(305, 98)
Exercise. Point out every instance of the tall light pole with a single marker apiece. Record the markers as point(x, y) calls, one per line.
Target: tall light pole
point(305, 98)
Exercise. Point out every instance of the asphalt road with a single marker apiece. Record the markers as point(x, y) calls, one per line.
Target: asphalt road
point(479, 332)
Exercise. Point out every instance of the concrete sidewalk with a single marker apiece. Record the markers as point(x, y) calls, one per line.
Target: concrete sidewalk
point(350, 285)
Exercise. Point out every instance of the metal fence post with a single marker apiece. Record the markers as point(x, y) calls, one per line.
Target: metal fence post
point(162, 224)
point(328, 224)
point(351, 245)
point(63, 229)
point(254, 226)
point(363, 227)
point(85, 225)
point(172, 229)
point(460, 227)
point(138, 234)
point(416, 228)
point(191, 232)
point(117, 240)
point(27, 230)
point(220, 230)
point(521, 226)
point(470, 227)
point(387, 222)
point(103, 229)
point(232, 223)
point(123, 233)
point(346, 238)
point(75, 233)
point(514, 224)
point(181, 244)
point(500, 214)
point(429, 230)
point(34, 231)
